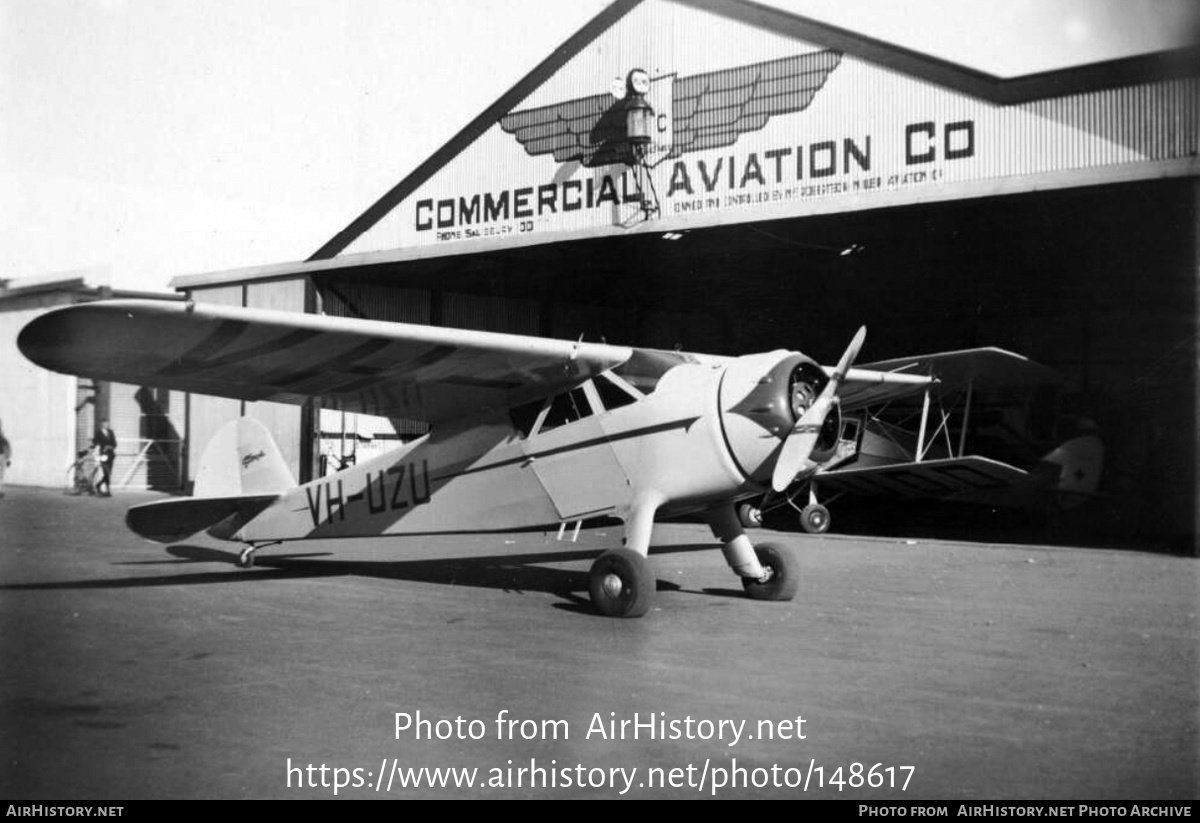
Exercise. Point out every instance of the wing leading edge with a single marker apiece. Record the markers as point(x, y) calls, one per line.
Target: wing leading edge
point(374, 367)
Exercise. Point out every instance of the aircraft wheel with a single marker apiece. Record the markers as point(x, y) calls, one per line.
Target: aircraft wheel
point(814, 518)
point(246, 558)
point(622, 583)
point(783, 574)
point(750, 515)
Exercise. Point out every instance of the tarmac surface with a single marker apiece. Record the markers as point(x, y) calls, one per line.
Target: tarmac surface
point(132, 670)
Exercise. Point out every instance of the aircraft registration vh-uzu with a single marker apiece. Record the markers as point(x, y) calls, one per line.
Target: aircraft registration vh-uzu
point(526, 433)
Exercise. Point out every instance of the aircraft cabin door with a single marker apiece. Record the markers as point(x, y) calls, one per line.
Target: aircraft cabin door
point(575, 463)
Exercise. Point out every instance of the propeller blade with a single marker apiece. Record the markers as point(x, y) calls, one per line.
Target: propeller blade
point(848, 358)
point(799, 443)
point(803, 436)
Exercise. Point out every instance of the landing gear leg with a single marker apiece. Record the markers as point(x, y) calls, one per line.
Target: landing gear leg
point(768, 571)
point(621, 582)
point(814, 518)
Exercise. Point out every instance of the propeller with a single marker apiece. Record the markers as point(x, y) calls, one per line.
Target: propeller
point(799, 443)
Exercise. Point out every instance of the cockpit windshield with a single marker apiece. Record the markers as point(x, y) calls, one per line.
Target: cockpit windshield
point(647, 366)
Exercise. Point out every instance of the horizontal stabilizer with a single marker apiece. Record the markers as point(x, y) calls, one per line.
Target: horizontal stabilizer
point(166, 521)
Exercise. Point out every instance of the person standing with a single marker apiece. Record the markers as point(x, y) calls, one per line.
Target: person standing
point(106, 442)
point(5, 457)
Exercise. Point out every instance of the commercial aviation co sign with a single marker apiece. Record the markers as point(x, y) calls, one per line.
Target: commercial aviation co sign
point(699, 113)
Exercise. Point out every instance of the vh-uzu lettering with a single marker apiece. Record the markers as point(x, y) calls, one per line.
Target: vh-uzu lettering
point(393, 489)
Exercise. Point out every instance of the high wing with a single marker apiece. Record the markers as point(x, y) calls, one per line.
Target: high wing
point(380, 368)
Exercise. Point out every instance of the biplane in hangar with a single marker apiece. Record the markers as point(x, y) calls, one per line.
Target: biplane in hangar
point(526, 433)
point(984, 431)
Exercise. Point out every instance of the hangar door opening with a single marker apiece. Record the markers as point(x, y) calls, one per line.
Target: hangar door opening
point(1098, 283)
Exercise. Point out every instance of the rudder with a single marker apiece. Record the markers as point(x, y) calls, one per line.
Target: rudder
point(242, 459)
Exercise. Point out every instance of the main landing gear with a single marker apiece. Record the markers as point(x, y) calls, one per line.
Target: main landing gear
point(769, 570)
point(622, 583)
point(814, 517)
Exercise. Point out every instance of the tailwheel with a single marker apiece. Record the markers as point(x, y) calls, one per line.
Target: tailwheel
point(814, 518)
point(781, 574)
point(622, 583)
point(750, 515)
point(246, 558)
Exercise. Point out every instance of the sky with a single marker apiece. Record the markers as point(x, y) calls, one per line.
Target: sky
point(144, 139)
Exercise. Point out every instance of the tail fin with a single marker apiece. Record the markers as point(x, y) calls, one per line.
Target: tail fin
point(242, 459)
point(1081, 462)
point(241, 473)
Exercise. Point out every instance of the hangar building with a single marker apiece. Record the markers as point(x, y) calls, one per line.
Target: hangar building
point(50, 417)
point(797, 180)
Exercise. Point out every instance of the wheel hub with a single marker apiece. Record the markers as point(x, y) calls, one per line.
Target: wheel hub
point(613, 585)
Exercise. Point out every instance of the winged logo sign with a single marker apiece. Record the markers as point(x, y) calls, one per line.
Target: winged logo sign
point(702, 111)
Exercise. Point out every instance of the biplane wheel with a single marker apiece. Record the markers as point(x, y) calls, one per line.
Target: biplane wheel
point(622, 583)
point(783, 574)
point(814, 518)
point(750, 515)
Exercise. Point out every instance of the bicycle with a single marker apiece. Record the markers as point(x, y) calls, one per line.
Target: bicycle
point(84, 473)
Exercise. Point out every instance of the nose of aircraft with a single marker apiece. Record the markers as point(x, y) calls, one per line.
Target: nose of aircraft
point(798, 446)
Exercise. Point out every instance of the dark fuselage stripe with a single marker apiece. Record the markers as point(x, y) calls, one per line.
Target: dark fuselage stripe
point(584, 444)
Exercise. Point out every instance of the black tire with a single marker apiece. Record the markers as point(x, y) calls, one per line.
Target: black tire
point(814, 518)
point(622, 583)
point(750, 515)
point(783, 574)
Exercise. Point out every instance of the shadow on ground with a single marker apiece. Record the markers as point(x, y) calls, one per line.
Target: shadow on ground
point(509, 572)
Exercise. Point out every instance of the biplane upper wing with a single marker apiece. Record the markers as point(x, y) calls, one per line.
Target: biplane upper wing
point(380, 368)
point(955, 369)
point(868, 387)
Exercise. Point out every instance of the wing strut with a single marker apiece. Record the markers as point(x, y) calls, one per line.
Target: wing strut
point(920, 455)
point(962, 436)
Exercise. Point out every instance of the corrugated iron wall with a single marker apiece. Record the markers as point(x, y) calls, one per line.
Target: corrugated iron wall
point(281, 419)
point(207, 414)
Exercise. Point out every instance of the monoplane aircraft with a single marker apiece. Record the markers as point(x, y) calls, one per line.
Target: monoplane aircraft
point(526, 433)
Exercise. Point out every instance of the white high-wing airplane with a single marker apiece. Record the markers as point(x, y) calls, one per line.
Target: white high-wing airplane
point(527, 433)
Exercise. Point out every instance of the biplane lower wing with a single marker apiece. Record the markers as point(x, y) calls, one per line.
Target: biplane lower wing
point(955, 478)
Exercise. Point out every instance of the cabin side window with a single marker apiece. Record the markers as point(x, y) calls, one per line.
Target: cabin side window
point(614, 395)
point(566, 408)
point(525, 416)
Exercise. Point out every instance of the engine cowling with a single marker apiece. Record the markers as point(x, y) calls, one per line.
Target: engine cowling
point(761, 398)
